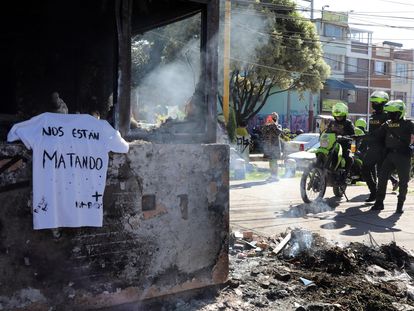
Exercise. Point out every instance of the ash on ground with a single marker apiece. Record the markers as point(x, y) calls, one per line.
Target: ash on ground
point(301, 271)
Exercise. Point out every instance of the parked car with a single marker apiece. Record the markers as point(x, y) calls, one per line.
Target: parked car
point(301, 159)
point(302, 142)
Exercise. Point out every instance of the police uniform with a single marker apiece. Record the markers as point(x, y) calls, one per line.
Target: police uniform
point(374, 154)
point(397, 138)
point(344, 127)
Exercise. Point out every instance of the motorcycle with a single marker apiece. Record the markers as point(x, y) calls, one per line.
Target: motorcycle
point(329, 170)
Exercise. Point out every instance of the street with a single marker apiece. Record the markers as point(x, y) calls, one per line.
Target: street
point(269, 208)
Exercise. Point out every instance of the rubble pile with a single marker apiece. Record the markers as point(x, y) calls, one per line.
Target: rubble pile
point(301, 271)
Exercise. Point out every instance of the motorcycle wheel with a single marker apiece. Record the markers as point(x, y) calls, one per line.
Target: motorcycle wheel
point(312, 185)
point(339, 191)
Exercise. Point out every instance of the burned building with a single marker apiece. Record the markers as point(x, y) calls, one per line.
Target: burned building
point(150, 68)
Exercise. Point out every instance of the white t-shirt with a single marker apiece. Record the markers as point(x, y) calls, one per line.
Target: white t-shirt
point(70, 161)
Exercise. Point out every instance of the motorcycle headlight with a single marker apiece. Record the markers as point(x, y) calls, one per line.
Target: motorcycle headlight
point(324, 143)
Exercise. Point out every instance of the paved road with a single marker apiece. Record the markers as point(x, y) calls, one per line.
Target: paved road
point(270, 208)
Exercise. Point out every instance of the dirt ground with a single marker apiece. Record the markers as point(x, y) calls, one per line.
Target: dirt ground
point(308, 274)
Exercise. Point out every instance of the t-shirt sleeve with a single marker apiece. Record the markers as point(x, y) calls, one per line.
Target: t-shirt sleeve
point(114, 141)
point(24, 131)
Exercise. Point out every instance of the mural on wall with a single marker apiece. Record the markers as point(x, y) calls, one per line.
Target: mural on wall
point(298, 121)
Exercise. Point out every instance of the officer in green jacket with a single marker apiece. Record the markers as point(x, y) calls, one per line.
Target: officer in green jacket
point(396, 133)
point(360, 127)
point(360, 130)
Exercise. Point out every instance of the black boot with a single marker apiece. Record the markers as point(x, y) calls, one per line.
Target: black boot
point(371, 197)
point(399, 209)
point(378, 206)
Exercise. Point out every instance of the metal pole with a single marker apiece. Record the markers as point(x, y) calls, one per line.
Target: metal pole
point(310, 121)
point(311, 1)
point(369, 77)
point(226, 61)
point(288, 106)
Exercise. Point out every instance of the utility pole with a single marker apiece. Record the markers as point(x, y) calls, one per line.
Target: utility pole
point(310, 113)
point(312, 9)
point(226, 60)
point(369, 76)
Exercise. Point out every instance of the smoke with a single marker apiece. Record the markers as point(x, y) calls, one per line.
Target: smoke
point(249, 32)
point(303, 210)
point(164, 91)
point(301, 241)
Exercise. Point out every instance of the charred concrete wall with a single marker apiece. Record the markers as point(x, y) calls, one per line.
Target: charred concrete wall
point(165, 231)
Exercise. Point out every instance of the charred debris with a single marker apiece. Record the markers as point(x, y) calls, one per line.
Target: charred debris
point(302, 271)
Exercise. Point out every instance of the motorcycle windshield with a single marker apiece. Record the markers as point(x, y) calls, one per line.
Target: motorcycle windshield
point(327, 140)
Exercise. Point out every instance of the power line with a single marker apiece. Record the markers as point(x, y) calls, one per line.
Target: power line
point(326, 57)
point(284, 16)
point(330, 41)
point(389, 75)
point(281, 7)
point(397, 2)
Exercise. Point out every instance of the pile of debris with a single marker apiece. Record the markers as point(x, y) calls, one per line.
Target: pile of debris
point(302, 271)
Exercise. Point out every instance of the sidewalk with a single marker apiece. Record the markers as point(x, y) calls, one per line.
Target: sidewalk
point(270, 208)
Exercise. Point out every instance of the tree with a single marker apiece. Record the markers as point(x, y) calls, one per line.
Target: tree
point(289, 56)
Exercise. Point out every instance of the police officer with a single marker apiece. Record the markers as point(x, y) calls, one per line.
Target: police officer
point(360, 127)
point(396, 134)
point(374, 155)
point(342, 126)
point(361, 130)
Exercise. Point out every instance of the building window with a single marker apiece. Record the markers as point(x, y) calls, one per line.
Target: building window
point(334, 61)
point(350, 96)
point(165, 73)
point(381, 68)
point(333, 31)
point(400, 95)
point(401, 72)
point(362, 37)
point(352, 64)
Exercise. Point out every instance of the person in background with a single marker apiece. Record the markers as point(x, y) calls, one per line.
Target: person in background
point(396, 134)
point(375, 153)
point(272, 132)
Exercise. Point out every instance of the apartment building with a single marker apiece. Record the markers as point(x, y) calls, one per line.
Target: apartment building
point(358, 67)
point(402, 78)
point(332, 28)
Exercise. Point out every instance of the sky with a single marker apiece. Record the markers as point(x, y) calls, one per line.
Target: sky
point(373, 15)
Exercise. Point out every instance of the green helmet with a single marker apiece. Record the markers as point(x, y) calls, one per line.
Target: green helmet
point(380, 97)
point(395, 106)
point(340, 110)
point(361, 123)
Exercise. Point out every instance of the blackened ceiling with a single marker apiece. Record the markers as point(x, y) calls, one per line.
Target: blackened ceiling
point(69, 46)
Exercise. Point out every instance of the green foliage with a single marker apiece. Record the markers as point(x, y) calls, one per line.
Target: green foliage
point(163, 45)
point(232, 125)
point(290, 59)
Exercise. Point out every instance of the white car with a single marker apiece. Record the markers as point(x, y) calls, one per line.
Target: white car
point(302, 142)
point(301, 159)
